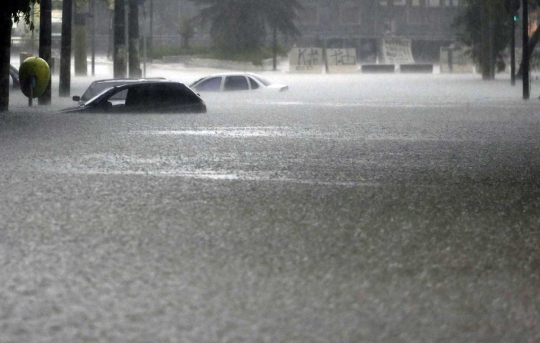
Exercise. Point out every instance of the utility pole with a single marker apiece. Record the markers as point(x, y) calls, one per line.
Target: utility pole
point(45, 32)
point(513, 52)
point(151, 45)
point(526, 87)
point(119, 62)
point(65, 51)
point(134, 44)
point(93, 14)
point(511, 7)
point(492, 57)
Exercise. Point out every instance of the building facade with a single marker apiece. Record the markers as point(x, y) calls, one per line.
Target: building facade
point(362, 24)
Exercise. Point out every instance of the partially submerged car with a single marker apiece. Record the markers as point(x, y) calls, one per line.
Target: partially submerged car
point(144, 97)
point(99, 86)
point(235, 82)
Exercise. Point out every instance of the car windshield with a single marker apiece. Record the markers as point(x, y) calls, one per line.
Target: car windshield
point(261, 79)
point(98, 87)
point(97, 99)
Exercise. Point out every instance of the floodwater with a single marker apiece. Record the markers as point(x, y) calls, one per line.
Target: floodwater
point(353, 208)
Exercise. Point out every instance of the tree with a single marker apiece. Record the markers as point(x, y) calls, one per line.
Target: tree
point(134, 42)
point(65, 52)
point(533, 39)
point(281, 15)
point(240, 25)
point(10, 11)
point(478, 20)
point(186, 30)
point(119, 58)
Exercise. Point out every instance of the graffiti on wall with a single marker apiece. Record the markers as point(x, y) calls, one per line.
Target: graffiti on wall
point(306, 60)
point(341, 60)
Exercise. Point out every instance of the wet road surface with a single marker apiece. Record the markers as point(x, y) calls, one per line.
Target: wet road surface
point(350, 209)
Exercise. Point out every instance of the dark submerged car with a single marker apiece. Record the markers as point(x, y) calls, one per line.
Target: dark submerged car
point(145, 97)
point(99, 86)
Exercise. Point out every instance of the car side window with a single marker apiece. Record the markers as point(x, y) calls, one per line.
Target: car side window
point(162, 94)
point(236, 83)
point(211, 85)
point(138, 96)
point(119, 95)
point(253, 83)
point(173, 95)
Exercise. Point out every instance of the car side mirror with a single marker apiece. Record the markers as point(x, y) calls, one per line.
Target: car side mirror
point(76, 98)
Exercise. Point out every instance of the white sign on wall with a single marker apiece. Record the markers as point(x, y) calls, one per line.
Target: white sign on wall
point(306, 60)
point(397, 51)
point(341, 60)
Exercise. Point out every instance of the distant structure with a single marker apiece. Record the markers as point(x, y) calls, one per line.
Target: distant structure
point(358, 24)
point(362, 24)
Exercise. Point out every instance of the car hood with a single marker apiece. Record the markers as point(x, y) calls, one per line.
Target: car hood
point(278, 87)
point(73, 109)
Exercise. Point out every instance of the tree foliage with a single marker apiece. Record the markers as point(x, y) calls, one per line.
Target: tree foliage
point(469, 21)
point(19, 9)
point(241, 25)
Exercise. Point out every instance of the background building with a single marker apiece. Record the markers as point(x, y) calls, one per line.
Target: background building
point(359, 24)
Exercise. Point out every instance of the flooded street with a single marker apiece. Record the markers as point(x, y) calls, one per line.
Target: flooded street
point(352, 208)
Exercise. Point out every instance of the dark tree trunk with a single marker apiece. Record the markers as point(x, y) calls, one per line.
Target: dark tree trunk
point(119, 63)
point(65, 52)
point(484, 64)
point(5, 51)
point(134, 43)
point(45, 45)
point(79, 35)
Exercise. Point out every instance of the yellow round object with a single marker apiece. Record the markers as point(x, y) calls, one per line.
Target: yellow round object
point(34, 74)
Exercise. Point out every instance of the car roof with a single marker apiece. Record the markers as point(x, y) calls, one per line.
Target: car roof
point(230, 74)
point(149, 83)
point(130, 80)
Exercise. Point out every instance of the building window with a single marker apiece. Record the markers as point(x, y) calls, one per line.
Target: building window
point(450, 3)
point(433, 3)
point(349, 15)
point(400, 2)
point(383, 3)
point(416, 3)
point(309, 14)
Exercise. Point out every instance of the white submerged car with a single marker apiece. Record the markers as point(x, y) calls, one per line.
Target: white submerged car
point(235, 82)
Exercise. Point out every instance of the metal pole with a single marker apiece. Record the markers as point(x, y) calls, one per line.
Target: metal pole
point(492, 60)
point(93, 37)
point(513, 51)
point(526, 86)
point(45, 25)
point(65, 52)
point(144, 41)
point(126, 35)
point(151, 24)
